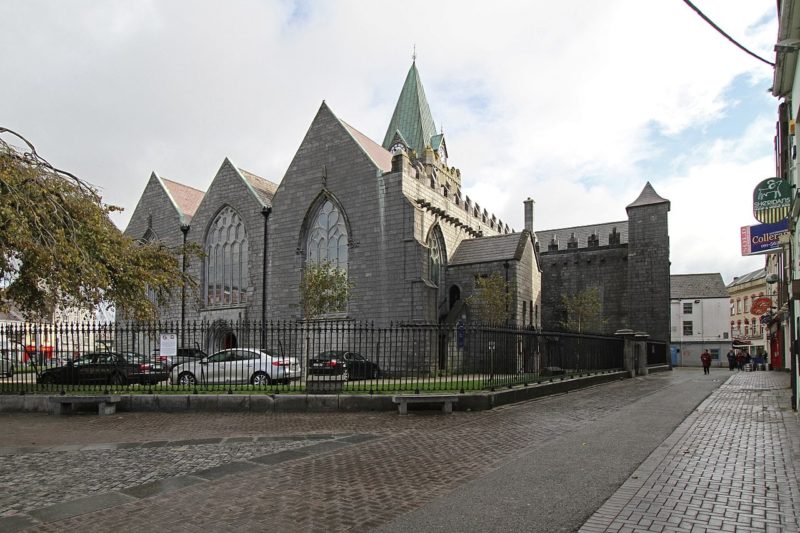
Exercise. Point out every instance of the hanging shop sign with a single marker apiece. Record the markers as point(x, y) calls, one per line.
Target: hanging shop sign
point(772, 199)
point(761, 305)
point(763, 238)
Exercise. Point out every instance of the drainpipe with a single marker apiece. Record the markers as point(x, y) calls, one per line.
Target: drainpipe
point(184, 230)
point(265, 211)
point(505, 266)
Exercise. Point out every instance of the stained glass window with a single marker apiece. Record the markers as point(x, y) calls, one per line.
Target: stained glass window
point(434, 258)
point(327, 238)
point(227, 275)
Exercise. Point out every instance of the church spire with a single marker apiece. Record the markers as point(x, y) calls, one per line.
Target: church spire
point(412, 116)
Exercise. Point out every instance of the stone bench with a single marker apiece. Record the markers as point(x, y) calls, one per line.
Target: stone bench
point(405, 399)
point(106, 405)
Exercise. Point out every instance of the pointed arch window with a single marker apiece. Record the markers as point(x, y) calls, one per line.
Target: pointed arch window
point(226, 267)
point(327, 237)
point(148, 238)
point(435, 257)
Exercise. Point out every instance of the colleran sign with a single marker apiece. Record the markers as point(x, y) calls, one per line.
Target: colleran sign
point(763, 238)
point(771, 200)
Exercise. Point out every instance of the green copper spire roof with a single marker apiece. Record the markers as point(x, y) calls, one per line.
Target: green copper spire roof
point(412, 116)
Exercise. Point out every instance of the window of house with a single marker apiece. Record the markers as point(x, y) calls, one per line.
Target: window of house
point(226, 264)
point(724, 334)
point(733, 308)
point(738, 305)
point(687, 308)
point(746, 304)
point(714, 353)
point(687, 327)
point(327, 237)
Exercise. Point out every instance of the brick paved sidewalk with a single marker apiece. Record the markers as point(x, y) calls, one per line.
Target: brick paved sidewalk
point(730, 466)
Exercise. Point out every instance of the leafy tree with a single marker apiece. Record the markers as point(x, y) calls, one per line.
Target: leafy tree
point(58, 247)
point(324, 288)
point(490, 301)
point(583, 311)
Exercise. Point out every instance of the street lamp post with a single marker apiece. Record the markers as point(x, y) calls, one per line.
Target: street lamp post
point(265, 212)
point(184, 230)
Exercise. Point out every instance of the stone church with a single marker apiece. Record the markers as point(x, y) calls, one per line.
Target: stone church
point(392, 215)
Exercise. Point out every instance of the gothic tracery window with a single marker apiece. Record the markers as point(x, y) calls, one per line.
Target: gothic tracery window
point(327, 237)
point(226, 268)
point(435, 259)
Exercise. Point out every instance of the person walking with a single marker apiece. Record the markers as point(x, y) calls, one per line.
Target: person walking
point(740, 361)
point(705, 358)
point(731, 360)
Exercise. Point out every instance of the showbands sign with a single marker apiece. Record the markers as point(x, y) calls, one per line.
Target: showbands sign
point(763, 238)
point(771, 200)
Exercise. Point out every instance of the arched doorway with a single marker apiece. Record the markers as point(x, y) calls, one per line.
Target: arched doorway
point(221, 336)
point(454, 295)
point(229, 340)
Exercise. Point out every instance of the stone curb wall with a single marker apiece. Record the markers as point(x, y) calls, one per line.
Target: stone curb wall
point(479, 401)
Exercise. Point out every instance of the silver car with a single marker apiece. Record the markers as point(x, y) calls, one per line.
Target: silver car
point(237, 366)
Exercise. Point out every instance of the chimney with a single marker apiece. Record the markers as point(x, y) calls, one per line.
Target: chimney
point(529, 214)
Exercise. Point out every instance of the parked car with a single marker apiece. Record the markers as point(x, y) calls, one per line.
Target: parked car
point(94, 368)
point(184, 355)
point(238, 366)
point(6, 367)
point(348, 365)
point(151, 370)
point(13, 351)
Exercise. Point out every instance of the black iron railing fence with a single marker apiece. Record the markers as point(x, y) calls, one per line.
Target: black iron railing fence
point(293, 357)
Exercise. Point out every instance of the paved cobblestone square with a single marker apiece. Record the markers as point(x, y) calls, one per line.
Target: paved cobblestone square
point(733, 462)
point(544, 465)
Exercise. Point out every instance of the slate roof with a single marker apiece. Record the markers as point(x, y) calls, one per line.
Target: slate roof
point(379, 155)
point(263, 188)
point(648, 196)
point(582, 234)
point(750, 276)
point(185, 198)
point(412, 115)
point(697, 286)
point(489, 249)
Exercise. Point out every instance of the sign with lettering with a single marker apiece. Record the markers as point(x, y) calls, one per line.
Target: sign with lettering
point(168, 344)
point(763, 238)
point(771, 200)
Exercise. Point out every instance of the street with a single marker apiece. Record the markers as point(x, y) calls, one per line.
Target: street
point(544, 465)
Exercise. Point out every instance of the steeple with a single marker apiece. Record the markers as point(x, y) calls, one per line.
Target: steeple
point(412, 116)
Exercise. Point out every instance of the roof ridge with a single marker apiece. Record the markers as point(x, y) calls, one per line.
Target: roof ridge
point(373, 151)
point(181, 184)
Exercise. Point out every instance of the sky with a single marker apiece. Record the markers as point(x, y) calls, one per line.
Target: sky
point(574, 104)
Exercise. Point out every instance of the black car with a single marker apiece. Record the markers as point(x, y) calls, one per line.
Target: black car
point(348, 365)
point(95, 368)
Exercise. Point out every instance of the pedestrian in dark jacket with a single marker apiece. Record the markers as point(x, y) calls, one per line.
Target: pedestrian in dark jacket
point(731, 360)
point(705, 358)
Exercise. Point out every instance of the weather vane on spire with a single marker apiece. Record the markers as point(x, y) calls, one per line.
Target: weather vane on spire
point(414, 54)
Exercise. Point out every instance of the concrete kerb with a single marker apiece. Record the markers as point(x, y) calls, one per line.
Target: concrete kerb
point(473, 401)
